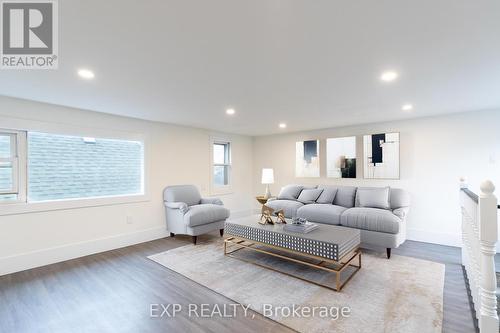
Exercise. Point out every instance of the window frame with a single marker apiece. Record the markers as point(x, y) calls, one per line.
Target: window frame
point(90, 197)
point(23, 126)
point(18, 162)
point(221, 189)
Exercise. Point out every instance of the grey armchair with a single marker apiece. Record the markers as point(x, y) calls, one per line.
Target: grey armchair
point(188, 213)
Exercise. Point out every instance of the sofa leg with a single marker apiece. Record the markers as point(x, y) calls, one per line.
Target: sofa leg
point(172, 234)
point(388, 253)
point(194, 239)
point(221, 231)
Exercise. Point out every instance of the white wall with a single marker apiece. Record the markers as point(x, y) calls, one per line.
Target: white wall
point(435, 152)
point(177, 155)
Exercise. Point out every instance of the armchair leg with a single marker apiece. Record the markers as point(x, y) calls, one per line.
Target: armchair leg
point(388, 253)
point(172, 234)
point(221, 231)
point(194, 239)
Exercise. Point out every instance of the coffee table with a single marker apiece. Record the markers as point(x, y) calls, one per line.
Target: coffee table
point(329, 247)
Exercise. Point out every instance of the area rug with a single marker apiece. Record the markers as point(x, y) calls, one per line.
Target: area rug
point(402, 294)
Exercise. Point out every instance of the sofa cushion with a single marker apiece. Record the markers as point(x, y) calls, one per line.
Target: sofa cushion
point(401, 212)
point(399, 198)
point(374, 197)
point(205, 213)
point(290, 192)
point(289, 206)
point(309, 196)
point(328, 194)
point(345, 196)
point(188, 194)
point(373, 219)
point(321, 213)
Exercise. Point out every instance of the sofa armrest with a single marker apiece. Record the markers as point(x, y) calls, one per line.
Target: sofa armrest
point(183, 207)
point(213, 201)
point(401, 212)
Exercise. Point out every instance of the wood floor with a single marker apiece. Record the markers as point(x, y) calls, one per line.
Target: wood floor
point(112, 292)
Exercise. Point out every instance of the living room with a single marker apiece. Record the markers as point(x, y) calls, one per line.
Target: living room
point(153, 163)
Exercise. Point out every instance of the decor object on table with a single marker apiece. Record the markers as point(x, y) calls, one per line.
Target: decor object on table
point(189, 214)
point(302, 228)
point(267, 178)
point(307, 158)
point(298, 221)
point(266, 215)
point(379, 212)
point(341, 157)
point(281, 216)
point(381, 156)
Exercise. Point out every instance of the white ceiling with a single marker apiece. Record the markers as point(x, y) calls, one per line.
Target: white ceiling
point(311, 64)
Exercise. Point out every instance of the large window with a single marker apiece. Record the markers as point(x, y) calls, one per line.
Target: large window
point(221, 164)
point(69, 167)
point(61, 167)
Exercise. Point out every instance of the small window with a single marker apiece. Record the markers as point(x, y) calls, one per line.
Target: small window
point(9, 166)
point(221, 163)
point(72, 167)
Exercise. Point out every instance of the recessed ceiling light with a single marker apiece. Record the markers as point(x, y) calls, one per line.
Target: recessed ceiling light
point(86, 74)
point(407, 107)
point(389, 76)
point(282, 125)
point(230, 111)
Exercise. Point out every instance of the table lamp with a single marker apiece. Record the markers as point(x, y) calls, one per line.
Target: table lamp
point(267, 178)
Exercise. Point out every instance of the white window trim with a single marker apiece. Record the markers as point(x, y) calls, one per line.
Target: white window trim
point(226, 189)
point(65, 204)
point(21, 206)
point(18, 161)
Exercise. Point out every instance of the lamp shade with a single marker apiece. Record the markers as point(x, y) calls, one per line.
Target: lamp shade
point(267, 176)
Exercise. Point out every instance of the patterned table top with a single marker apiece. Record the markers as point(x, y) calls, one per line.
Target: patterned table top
point(328, 241)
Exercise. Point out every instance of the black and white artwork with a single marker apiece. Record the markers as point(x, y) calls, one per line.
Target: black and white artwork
point(381, 156)
point(341, 157)
point(307, 158)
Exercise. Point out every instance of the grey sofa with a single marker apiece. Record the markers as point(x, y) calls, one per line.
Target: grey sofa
point(189, 214)
point(378, 212)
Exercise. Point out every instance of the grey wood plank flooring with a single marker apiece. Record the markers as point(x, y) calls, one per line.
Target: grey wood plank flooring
point(112, 292)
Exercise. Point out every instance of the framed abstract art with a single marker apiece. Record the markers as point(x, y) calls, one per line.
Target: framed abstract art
point(381, 156)
point(307, 158)
point(341, 157)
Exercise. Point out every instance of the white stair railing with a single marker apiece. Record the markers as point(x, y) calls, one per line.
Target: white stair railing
point(479, 237)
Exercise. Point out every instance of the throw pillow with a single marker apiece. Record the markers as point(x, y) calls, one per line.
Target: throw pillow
point(374, 197)
point(328, 194)
point(309, 196)
point(346, 196)
point(290, 192)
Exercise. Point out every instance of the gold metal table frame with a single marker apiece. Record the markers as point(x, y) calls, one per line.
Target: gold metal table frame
point(233, 244)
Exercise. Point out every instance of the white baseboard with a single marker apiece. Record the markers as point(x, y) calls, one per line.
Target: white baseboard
point(24, 261)
point(21, 262)
point(434, 237)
